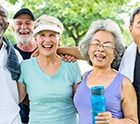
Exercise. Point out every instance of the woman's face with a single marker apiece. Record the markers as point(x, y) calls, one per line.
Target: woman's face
point(47, 42)
point(102, 49)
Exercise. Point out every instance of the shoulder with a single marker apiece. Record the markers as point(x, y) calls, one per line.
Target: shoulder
point(131, 49)
point(127, 87)
point(86, 73)
point(72, 68)
point(27, 65)
point(126, 80)
point(19, 56)
point(28, 62)
point(70, 64)
point(15, 45)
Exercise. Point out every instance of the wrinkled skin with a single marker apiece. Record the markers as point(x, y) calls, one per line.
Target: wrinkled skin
point(3, 22)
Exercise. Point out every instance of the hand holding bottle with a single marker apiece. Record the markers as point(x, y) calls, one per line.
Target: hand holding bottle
point(103, 118)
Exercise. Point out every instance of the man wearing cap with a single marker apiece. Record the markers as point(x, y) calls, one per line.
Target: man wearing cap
point(23, 22)
point(9, 74)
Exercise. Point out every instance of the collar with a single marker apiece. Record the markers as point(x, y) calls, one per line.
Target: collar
point(4, 45)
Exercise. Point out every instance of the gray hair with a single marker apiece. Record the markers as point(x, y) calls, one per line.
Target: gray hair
point(105, 25)
point(136, 11)
point(5, 12)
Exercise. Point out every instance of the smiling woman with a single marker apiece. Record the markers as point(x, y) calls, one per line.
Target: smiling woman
point(49, 81)
point(102, 47)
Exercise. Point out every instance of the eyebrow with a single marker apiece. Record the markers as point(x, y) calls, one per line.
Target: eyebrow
point(138, 21)
point(100, 41)
point(3, 14)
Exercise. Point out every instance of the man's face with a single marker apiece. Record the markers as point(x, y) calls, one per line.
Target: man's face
point(3, 21)
point(23, 29)
point(135, 29)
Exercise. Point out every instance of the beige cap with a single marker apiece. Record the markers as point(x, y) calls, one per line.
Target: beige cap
point(46, 22)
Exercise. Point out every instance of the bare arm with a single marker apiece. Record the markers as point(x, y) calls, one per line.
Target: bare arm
point(129, 103)
point(70, 51)
point(129, 107)
point(22, 91)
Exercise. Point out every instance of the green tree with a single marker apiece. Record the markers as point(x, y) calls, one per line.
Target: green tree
point(76, 15)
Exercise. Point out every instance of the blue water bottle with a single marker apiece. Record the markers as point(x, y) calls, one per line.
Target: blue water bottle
point(97, 101)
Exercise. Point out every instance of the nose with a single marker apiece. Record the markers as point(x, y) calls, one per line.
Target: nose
point(47, 39)
point(23, 26)
point(100, 47)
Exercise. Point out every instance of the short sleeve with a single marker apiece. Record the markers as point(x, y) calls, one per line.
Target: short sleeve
point(74, 72)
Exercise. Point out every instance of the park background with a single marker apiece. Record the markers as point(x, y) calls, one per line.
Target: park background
point(76, 16)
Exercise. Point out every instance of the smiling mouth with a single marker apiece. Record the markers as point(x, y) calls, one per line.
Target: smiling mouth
point(47, 46)
point(24, 32)
point(100, 57)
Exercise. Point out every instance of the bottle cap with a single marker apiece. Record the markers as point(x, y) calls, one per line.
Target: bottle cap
point(97, 90)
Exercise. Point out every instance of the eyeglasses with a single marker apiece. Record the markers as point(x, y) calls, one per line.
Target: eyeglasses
point(96, 45)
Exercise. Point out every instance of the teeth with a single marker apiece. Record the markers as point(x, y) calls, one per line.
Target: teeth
point(24, 31)
point(100, 56)
point(47, 46)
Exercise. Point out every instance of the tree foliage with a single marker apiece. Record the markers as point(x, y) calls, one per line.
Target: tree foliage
point(77, 15)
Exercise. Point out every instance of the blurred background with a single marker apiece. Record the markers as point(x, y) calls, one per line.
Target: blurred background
point(76, 16)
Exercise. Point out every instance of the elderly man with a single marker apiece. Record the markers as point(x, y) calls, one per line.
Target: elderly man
point(23, 21)
point(130, 64)
point(9, 71)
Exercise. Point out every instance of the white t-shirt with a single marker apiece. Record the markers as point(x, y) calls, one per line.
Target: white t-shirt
point(9, 109)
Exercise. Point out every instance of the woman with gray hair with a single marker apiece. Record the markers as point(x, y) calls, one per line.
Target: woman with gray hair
point(102, 48)
point(106, 25)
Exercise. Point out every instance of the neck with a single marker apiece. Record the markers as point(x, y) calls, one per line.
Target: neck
point(28, 48)
point(101, 77)
point(48, 60)
point(49, 65)
point(100, 71)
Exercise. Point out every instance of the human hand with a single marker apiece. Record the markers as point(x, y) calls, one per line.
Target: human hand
point(69, 58)
point(35, 53)
point(104, 118)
